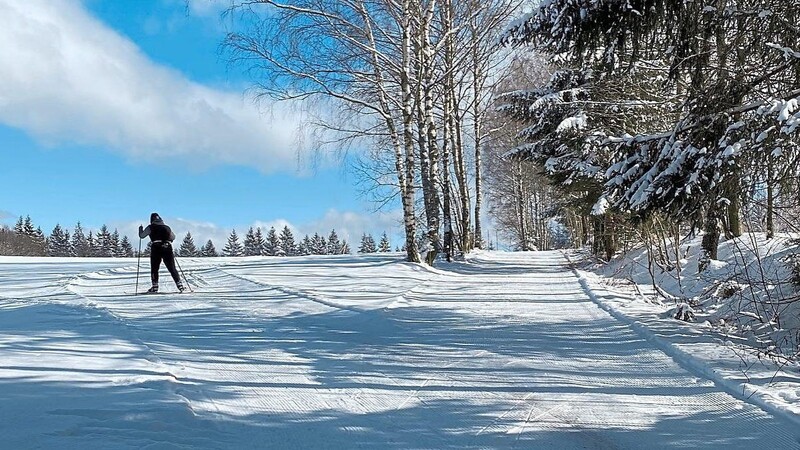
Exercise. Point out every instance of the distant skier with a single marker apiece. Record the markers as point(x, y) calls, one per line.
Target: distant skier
point(161, 237)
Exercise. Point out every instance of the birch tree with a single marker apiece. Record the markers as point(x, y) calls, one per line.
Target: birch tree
point(356, 54)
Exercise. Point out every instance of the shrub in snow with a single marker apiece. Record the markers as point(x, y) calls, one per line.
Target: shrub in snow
point(727, 289)
point(684, 312)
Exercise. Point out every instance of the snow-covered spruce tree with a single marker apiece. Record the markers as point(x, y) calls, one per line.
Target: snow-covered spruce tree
point(125, 248)
point(58, 243)
point(334, 246)
point(384, 246)
point(103, 244)
point(287, 244)
point(271, 243)
point(345, 248)
point(80, 246)
point(304, 246)
point(251, 247)
point(731, 68)
point(188, 249)
point(91, 245)
point(258, 242)
point(208, 250)
point(368, 244)
point(318, 245)
point(115, 244)
point(233, 247)
point(67, 245)
point(568, 124)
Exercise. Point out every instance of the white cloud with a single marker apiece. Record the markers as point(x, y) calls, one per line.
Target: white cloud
point(350, 225)
point(65, 77)
point(207, 8)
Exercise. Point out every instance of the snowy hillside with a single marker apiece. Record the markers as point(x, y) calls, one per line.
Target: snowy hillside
point(506, 350)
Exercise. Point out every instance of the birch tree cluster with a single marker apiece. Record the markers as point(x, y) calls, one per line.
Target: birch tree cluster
point(681, 109)
point(408, 79)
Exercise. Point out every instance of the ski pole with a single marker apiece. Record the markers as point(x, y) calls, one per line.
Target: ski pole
point(184, 276)
point(138, 259)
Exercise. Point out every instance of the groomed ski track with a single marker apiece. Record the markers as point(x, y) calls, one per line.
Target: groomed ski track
point(506, 350)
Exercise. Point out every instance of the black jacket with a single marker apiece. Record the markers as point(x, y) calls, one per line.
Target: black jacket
point(157, 231)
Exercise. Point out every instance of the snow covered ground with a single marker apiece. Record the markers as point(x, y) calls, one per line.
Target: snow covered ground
point(506, 350)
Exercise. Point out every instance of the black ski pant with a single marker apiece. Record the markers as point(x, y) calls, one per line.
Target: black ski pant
point(159, 251)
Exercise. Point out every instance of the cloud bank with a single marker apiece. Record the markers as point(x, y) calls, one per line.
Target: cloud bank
point(67, 78)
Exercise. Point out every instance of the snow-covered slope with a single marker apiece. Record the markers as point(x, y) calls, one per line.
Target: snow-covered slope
point(502, 351)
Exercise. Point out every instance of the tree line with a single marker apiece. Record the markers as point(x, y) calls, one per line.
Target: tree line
point(256, 243)
point(25, 239)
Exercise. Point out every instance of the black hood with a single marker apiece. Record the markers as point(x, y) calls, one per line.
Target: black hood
point(155, 218)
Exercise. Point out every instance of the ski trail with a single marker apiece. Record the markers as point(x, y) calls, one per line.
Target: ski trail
point(499, 351)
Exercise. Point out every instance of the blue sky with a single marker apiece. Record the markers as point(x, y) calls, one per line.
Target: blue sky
point(110, 110)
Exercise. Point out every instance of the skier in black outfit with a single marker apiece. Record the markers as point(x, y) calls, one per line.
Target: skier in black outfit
point(161, 237)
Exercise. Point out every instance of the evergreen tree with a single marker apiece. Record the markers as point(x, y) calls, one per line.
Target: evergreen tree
point(318, 246)
point(68, 243)
point(29, 241)
point(233, 247)
point(259, 242)
point(334, 246)
point(345, 248)
point(116, 250)
point(287, 245)
point(148, 250)
point(91, 245)
point(28, 228)
point(80, 246)
point(58, 243)
point(367, 244)
point(384, 246)
point(251, 245)
point(102, 243)
point(723, 110)
point(271, 243)
point(125, 248)
point(188, 248)
point(19, 227)
point(304, 247)
point(209, 250)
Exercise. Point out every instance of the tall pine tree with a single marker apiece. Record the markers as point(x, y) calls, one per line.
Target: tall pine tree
point(384, 246)
point(208, 250)
point(80, 246)
point(367, 244)
point(318, 246)
point(58, 243)
point(258, 243)
point(271, 243)
point(334, 246)
point(188, 248)
point(233, 247)
point(125, 248)
point(251, 246)
point(287, 245)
